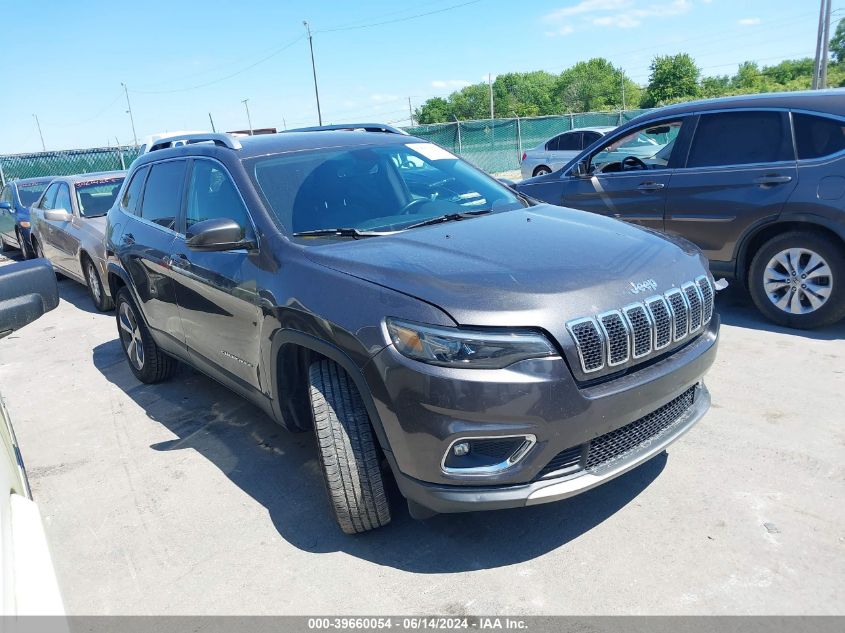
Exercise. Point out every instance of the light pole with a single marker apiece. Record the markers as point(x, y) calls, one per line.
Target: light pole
point(313, 70)
point(129, 111)
point(248, 118)
point(38, 124)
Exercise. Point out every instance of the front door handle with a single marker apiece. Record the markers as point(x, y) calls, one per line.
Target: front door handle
point(650, 186)
point(772, 179)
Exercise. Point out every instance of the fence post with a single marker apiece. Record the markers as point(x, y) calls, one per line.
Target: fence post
point(2, 175)
point(120, 154)
point(518, 141)
point(460, 145)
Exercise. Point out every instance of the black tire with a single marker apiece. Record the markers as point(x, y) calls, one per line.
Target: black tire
point(155, 365)
point(25, 252)
point(541, 170)
point(102, 302)
point(831, 310)
point(4, 248)
point(348, 452)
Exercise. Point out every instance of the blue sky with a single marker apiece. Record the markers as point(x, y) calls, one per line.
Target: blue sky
point(182, 59)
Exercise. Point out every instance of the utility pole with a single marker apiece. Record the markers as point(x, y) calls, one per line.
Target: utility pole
point(313, 70)
point(817, 61)
point(284, 123)
point(213, 129)
point(410, 111)
point(38, 123)
point(129, 111)
point(248, 118)
point(490, 83)
point(825, 47)
point(623, 90)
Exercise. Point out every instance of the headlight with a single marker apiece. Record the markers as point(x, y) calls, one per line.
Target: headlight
point(479, 349)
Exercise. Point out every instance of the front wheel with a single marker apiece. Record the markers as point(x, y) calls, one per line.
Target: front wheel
point(348, 451)
point(797, 279)
point(146, 360)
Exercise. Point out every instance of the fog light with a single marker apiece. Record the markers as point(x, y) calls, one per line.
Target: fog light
point(461, 449)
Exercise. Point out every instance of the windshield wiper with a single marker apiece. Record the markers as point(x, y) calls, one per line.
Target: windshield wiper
point(447, 217)
point(342, 232)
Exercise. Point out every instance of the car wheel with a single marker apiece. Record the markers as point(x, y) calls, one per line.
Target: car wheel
point(25, 252)
point(542, 170)
point(36, 247)
point(797, 279)
point(146, 360)
point(102, 302)
point(4, 248)
point(348, 451)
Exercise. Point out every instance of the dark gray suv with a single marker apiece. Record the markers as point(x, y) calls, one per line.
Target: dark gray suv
point(757, 182)
point(426, 321)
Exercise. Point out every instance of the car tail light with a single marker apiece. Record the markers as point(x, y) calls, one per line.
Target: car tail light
point(524, 155)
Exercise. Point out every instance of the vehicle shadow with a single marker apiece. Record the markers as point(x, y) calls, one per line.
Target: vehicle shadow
point(280, 471)
point(736, 308)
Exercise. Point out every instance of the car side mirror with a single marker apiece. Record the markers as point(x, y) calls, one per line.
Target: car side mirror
point(217, 234)
point(581, 169)
point(27, 291)
point(57, 215)
point(5, 205)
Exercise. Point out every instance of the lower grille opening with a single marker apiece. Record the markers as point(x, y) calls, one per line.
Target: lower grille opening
point(603, 451)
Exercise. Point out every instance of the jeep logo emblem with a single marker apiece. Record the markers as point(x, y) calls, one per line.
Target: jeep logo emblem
point(643, 286)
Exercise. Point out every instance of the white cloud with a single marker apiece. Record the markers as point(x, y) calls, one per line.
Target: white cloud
point(381, 98)
point(622, 14)
point(749, 21)
point(451, 84)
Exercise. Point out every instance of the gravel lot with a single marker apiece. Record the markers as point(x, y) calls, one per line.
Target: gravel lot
point(182, 498)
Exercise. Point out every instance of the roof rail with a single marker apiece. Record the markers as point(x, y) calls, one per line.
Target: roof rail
point(222, 140)
point(352, 127)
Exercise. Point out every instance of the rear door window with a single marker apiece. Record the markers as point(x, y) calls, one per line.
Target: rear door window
point(816, 136)
point(569, 142)
point(163, 193)
point(589, 138)
point(740, 138)
point(132, 195)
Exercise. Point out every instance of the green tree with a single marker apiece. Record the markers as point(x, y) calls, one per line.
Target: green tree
point(717, 86)
point(434, 110)
point(525, 94)
point(472, 102)
point(673, 78)
point(837, 43)
point(595, 85)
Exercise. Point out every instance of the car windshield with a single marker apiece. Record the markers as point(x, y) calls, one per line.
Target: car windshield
point(29, 192)
point(652, 146)
point(375, 188)
point(96, 197)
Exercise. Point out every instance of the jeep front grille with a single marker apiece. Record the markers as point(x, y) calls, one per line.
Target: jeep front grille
point(615, 337)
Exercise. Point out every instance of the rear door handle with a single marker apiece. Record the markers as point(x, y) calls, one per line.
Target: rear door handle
point(651, 186)
point(128, 238)
point(772, 179)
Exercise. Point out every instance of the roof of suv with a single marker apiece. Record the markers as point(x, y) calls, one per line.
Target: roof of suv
point(97, 175)
point(830, 101)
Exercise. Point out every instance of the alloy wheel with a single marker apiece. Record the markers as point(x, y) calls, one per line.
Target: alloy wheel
point(798, 281)
point(130, 336)
point(94, 283)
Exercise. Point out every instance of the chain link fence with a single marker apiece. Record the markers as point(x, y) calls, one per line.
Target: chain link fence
point(66, 162)
point(494, 145)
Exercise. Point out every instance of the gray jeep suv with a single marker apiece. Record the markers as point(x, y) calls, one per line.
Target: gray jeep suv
point(429, 323)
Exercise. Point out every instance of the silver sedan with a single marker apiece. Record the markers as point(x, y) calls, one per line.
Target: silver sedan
point(559, 150)
point(68, 228)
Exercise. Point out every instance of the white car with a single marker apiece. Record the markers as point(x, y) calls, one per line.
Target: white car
point(559, 150)
point(28, 583)
point(150, 140)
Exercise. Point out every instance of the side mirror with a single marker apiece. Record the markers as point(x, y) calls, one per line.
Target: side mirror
point(217, 234)
point(27, 291)
point(57, 215)
point(507, 182)
point(5, 205)
point(581, 169)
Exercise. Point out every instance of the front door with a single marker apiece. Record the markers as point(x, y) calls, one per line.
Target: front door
point(740, 171)
point(217, 291)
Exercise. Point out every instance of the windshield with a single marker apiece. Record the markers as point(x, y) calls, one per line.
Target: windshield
point(374, 188)
point(29, 192)
point(652, 146)
point(95, 198)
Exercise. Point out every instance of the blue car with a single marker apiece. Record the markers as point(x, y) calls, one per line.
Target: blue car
point(15, 200)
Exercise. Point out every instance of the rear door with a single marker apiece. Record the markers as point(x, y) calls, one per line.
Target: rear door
point(568, 146)
point(739, 172)
point(145, 245)
point(217, 291)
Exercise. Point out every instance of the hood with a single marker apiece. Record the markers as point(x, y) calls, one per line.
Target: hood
point(97, 224)
point(536, 267)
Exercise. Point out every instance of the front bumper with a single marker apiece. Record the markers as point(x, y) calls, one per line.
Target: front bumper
point(424, 409)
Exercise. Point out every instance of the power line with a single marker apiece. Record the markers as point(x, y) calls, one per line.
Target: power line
point(396, 20)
